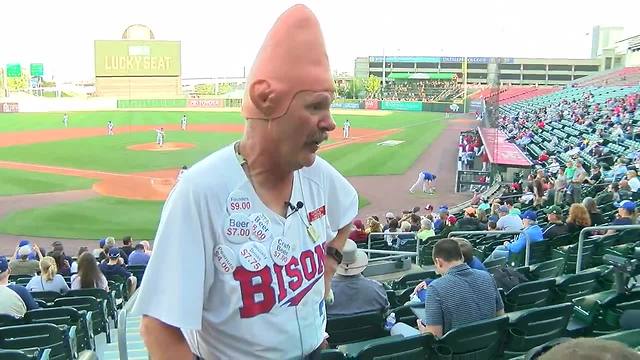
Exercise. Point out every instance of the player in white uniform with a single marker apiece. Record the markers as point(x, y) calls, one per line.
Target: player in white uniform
point(109, 127)
point(264, 238)
point(160, 136)
point(183, 122)
point(65, 120)
point(345, 129)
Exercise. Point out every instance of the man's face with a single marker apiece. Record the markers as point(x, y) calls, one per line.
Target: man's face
point(301, 130)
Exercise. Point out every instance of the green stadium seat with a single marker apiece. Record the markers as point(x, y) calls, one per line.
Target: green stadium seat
point(407, 313)
point(570, 254)
point(480, 340)
point(31, 337)
point(631, 338)
point(100, 295)
point(331, 354)
point(36, 354)
point(409, 348)
point(47, 296)
point(569, 287)
point(97, 308)
point(354, 328)
point(533, 327)
point(9, 320)
point(494, 264)
point(546, 270)
point(529, 295)
point(412, 279)
point(66, 316)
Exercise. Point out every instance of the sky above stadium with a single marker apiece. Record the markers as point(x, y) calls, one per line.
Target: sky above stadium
point(220, 38)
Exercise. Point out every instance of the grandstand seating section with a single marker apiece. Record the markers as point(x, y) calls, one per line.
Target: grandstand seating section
point(629, 76)
point(511, 94)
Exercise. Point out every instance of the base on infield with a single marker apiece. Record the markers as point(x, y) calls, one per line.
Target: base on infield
point(168, 146)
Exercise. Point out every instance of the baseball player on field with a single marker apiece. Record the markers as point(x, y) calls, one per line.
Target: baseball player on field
point(183, 122)
point(426, 179)
point(109, 127)
point(345, 129)
point(160, 136)
point(65, 120)
point(266, 238)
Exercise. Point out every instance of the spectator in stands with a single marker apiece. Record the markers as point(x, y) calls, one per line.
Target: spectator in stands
point(426, 230)
point(531, 231)
point(358, 234)
point(354, 293)
point(625, 190)
point(634, 182)
point(405, 227)
point(32, 256)
point(590, 349)
point(508, 222)
point(393, 228)
point(57, 246)
point(49, 279)
point(554, 166)
point(578, 218)
point(450, 298)
point(373, 226)
point(440, 222)
point(74, 265)
point(139, 256)
point(9, 302)
point(448, 225)
point(475, 200)
point(414, 220)
point(569, 170)
point(388, 216)
point(579, 176)
point(110, 243)
point(594, 213)
point(147, 246)
point(63, 266)
point(467, 254)
point(492, 223)
point(543, 157)
point(115, 266)
point(21, 265)
point(98, 253)
point(428, 210)
point(626, 214)
point(556, 227)
point(89, 275)
point(612, 195)
point(469, 221)
point(127, 246)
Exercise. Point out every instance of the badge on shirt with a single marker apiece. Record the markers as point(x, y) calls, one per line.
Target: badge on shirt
point(238, 201)
point(225, 259)
point(260, 227)
point(237, 228)
point(317, 213)
point(281, 250)
point(253, 256)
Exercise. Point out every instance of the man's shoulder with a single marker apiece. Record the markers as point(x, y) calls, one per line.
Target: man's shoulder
point(320, 172)
point(213, 171)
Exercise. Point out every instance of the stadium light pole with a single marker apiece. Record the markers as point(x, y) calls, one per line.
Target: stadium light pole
point(384, 72)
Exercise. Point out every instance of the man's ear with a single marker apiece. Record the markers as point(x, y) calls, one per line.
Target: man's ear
point(262, 96)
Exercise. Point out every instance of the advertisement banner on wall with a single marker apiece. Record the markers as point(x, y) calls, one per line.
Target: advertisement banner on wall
point(401, 105)
point(372, 104)
point(205, 103)
point(8, 107)
point(347, 105)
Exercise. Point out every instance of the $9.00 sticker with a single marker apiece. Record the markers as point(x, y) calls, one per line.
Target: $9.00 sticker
point(237, 228)
point(281, 250)
point(224, 258)
point(253, 256)
point(238, 201)
point(260, 227)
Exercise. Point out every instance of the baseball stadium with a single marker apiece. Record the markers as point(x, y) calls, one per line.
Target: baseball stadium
point(496, 213)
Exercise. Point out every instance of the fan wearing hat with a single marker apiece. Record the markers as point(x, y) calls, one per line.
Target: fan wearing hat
point(508, 221)
point(626, 214)
point(469, 221)
point(15, 300)
point(21, 265)
point(263, 295)
point(556, 226)
point(354, 293)
point(531, 231)
point(115, 266)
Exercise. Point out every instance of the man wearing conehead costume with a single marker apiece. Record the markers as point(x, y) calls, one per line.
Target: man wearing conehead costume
point(266, 237)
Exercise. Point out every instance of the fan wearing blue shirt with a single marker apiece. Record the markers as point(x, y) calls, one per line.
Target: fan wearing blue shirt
point(531, 230)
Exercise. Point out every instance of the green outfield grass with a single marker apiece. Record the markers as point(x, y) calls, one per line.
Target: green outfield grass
point(89, 219)
point(17, 182)
point(103, 216)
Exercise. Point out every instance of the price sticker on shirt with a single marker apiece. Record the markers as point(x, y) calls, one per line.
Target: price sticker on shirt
point(237, 228)
point(253, 256)
point(238, 201)
point(281, 250)
point(260, 227)
point(225, 259)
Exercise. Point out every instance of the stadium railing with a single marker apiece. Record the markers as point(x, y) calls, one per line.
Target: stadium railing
point(492, 232)
point(393, 254)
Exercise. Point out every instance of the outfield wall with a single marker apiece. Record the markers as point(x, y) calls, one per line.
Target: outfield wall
point(374, 104)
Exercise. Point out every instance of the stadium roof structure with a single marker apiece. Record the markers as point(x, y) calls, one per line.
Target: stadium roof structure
point(500, 151)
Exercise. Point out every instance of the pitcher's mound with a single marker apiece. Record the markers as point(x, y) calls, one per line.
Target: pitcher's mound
point(169, 146)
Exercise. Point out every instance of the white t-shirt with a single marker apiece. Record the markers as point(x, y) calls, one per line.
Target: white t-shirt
point(276, 312)
point(634, 184)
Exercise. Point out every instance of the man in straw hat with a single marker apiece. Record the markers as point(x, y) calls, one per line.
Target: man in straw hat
point(267, 236)
point(353, 292)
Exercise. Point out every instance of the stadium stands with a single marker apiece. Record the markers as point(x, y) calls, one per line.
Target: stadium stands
point(629, 76)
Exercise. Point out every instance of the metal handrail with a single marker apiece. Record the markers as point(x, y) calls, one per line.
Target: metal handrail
point(582, 236)
point(122, 329)
point(404, 253)
point(491, 232)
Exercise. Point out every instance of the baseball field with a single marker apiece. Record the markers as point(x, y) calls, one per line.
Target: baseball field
point(95, 185)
